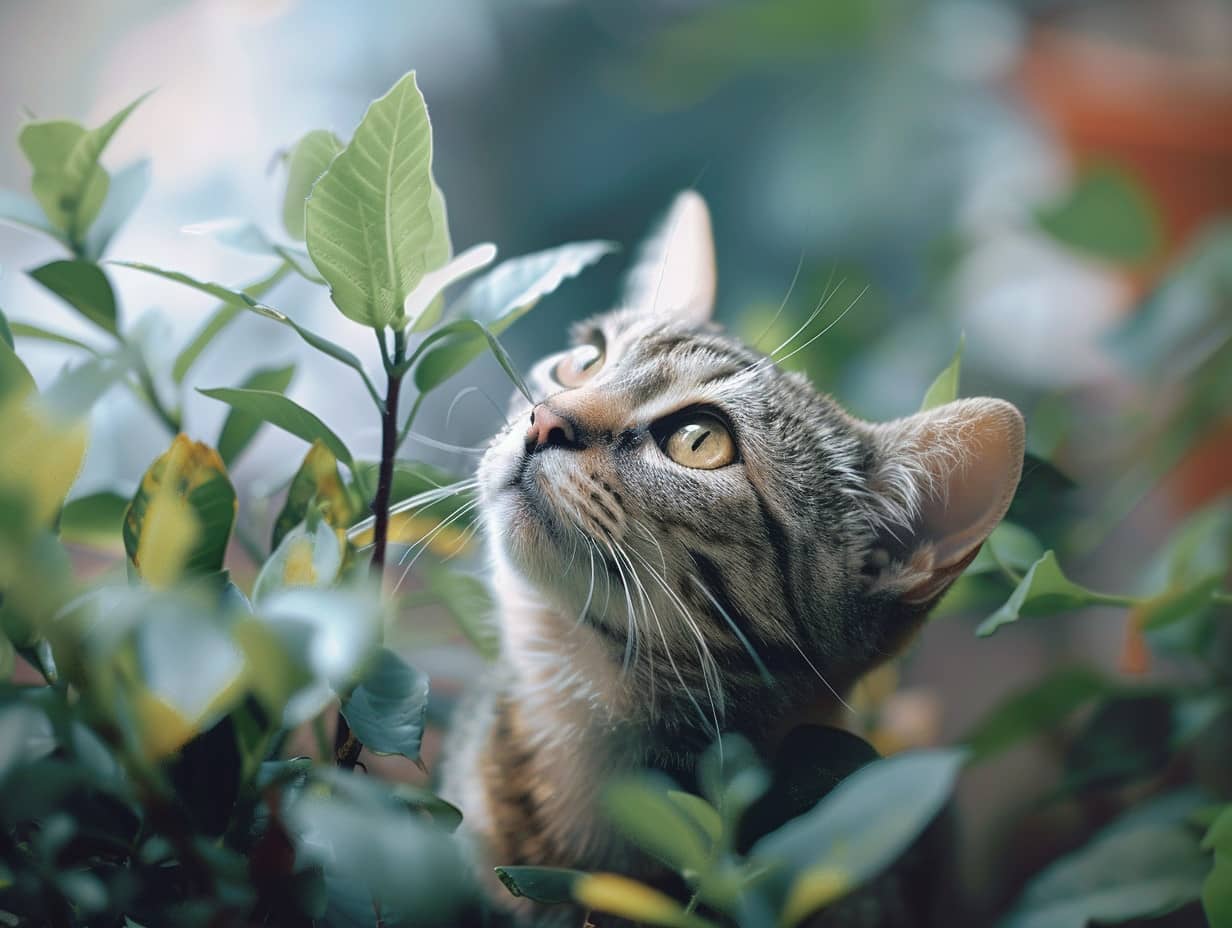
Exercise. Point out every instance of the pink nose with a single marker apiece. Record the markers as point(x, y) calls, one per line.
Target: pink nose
point(548, 428)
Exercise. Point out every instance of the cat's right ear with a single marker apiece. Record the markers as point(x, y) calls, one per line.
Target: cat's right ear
point(674, 274)
point(940, 482)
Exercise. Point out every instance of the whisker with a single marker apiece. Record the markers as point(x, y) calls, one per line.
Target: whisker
point(748, 645)
point(829, 326)
point(783, 305)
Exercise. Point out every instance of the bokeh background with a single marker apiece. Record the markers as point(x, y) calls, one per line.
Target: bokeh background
point(1047, 179)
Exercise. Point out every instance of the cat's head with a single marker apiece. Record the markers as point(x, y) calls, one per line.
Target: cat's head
point(708, 515)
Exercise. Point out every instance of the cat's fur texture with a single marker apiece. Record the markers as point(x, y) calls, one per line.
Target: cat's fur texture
point(638, 597)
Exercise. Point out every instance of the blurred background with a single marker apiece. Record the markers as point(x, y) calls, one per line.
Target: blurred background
point(1050, 180)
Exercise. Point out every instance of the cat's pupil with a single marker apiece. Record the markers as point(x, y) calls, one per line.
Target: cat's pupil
point(697, 444)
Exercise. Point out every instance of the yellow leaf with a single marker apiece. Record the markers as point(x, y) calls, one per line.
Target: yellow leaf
point(39, 458)
point(168, 532)
point(163, 730)
point(619, 895)
point(299, 569)
point(406, 528)
point(813, 890)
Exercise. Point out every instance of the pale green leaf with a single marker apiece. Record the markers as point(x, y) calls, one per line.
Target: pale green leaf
point(127, 187)
point(945, 388)
point(26, 330)
point(1107, 214)
point(306, 162)
point(14, 375)
point(434, 282)
point(94, 520)
point(304, 558)
point(1044, 590)
point(285, 413)
point(20, 210)
point(368, 223)
point(388, 708)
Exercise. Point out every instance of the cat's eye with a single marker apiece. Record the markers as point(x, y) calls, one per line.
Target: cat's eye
point(702, 442)
point(578, 365)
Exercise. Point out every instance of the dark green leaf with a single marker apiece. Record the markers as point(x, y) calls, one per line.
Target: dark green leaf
point(1176, 605)
point(1035, 708)
point(25, 330)
point(84, 286)
point(732, 777)
point(94, 520)
point(306, 162)
point(241, 427)
point(6, 334)
point(547, 885)
point(1217, 892)
point(386, 711)
point(1107, 215)
point(285, 413)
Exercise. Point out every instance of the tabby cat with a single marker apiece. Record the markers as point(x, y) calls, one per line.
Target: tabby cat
point(688, 539)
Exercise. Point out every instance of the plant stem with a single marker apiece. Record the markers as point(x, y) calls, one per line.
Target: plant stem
point(346, 745)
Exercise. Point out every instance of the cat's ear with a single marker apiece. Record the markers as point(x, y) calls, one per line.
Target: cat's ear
point(941, 481)
point(674, 274)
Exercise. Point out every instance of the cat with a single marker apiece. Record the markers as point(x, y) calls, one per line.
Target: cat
point(688, 539)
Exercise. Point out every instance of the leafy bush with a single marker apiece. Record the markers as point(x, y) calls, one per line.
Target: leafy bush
point(150, 781)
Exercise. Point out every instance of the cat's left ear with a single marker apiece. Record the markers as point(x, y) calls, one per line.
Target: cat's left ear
point(674, 274)
point(941, 481)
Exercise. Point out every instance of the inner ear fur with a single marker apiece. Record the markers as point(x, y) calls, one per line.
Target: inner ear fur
point(941, 481)
point(674, 274)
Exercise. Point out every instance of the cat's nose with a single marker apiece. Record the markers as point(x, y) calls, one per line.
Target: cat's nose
point(549, 429)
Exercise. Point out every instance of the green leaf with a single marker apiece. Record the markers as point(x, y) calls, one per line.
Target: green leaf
point(546, 885)
point(368, 224)
point(26, 330)
point(95, 520)
point(387, 710)
point(6, 333)
point(246, 236)
point(434, 282)
point(1107, 215)
point(865, 824)
point(285, 413)
point(439, 251)
point(238, 300)
point(641, 810)
point(127, 188)
point(1219, 836)
point(84, 286)
point(1217, 892)
point(945, 388)
point(1123, 874)
point(241, 427)
point(180, 518)
point(732, 777)
point(306, 162)
point(14, 376)
point(1178, 604)
point(703, 814)
point(1010, 548)
point(220, 319)
point(464, 341)
point(1035, 708)
point(310, 558)
point(68, 181)
point(20, 210)
point(1044, 590)
point(71, 395)
point(468, 601)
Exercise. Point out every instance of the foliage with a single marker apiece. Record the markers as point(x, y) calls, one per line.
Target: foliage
point(152, 780)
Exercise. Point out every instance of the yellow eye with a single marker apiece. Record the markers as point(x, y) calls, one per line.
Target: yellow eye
point(702, 442)
point(578, 366)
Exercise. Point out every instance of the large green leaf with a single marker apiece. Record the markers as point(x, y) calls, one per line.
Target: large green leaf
point(1035, 708)
point(861, 828)
point(283, 412)
point(368, 223)
point(1126, 873)
point(1045, 590)
point(241, 427)
point(439, 251)
point(316, 482)
point(468, 601)
point(1107, 214)
point(945, 388)
point(1217, 887)
point(306, 161)
point(68, 181)
point(84, 286)
point(180, 518)
point(388, 709)
point(127, 187)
